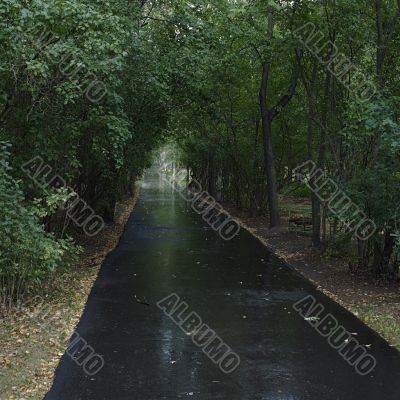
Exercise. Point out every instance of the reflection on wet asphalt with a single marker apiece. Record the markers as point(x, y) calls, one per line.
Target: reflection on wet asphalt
point(240, 290)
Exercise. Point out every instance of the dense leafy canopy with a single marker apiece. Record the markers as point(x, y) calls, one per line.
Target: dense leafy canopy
point(93, 87)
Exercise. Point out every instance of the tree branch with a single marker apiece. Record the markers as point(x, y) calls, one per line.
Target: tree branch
point(284, 100)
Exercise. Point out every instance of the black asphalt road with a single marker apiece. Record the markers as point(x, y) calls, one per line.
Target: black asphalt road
point(240, 290)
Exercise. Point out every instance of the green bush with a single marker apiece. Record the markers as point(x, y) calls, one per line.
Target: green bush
point(28, 254)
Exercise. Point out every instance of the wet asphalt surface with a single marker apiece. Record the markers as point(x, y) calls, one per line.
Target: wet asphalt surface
point(240, 290)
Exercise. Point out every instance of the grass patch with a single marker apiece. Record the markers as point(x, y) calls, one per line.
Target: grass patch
point(386, 321)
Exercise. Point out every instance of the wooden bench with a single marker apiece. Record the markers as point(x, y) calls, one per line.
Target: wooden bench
point(305, 222)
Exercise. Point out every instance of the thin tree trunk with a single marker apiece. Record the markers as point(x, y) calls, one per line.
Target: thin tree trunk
point(269, 159)
point(309, 83)
point(380, 43)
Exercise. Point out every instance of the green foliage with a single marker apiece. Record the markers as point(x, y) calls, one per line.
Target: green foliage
point(173, 70)
point(28, 254)
point(54, 56)
point(355, 141)
point(374, 183)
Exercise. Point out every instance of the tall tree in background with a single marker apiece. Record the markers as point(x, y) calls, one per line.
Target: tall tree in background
point(268, 114)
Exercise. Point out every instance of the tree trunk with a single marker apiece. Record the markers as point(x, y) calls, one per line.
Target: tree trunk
point(385, 31)
point(269, 159)
point(380, 43)
point(309, 82)
point(267, 116)
point(211, 176)
point(274, 216)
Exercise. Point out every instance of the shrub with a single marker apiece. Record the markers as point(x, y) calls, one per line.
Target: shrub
point(28, 254)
